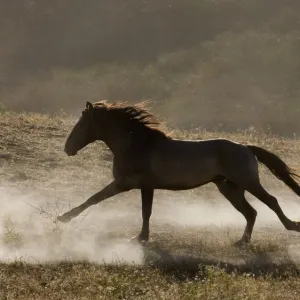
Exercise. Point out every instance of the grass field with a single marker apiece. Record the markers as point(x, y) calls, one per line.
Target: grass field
point(190, 254)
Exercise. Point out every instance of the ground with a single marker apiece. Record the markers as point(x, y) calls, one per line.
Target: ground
point(190, 254)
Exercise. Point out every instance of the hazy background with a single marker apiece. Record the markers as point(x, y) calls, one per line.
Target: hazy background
point(219, 64)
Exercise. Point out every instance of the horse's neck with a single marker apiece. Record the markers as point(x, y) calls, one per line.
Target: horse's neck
point(128, 148)
point(124, 143)
point(118, 144)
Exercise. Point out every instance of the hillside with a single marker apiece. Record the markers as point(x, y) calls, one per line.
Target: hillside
point(225, 64)
point(190, 254)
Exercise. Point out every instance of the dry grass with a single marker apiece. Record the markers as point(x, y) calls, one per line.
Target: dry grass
point(179, 263)
point(82, 280)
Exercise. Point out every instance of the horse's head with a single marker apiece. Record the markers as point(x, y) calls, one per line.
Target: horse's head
point(84, 132)
point(115, 124)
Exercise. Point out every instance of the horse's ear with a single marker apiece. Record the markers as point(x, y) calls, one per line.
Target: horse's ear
point(89, 105)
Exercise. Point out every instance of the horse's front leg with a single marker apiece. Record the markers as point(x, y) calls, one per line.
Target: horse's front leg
point(109, 191)
point(147, 200)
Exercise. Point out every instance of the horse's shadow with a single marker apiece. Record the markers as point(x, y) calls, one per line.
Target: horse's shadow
point(187, 266)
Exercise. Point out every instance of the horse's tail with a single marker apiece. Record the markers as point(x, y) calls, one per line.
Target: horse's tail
point(278, 167)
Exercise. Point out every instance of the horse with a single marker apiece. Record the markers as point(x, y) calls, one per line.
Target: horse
point(146, 158)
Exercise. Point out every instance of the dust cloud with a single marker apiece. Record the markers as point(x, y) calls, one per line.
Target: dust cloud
point(220, 212)
point(100, 235)
point(29, 232)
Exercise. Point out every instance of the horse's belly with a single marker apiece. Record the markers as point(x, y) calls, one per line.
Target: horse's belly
point(183, 174)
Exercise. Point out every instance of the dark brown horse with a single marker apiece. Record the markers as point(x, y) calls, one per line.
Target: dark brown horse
point(146, 158)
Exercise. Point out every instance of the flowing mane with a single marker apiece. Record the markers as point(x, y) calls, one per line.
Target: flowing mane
point(134, 118)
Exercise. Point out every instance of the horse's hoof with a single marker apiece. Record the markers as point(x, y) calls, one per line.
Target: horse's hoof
point(293, 225)
point(137, 240)
point(240, 244)
point(296, 226)
point(63, 219)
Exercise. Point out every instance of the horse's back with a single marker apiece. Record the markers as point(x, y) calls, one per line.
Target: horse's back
point(205, 148)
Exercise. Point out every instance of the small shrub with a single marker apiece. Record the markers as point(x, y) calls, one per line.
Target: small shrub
point(11, 237)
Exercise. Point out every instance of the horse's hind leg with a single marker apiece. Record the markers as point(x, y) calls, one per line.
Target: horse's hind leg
point(236, 196)
point(259, 192)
